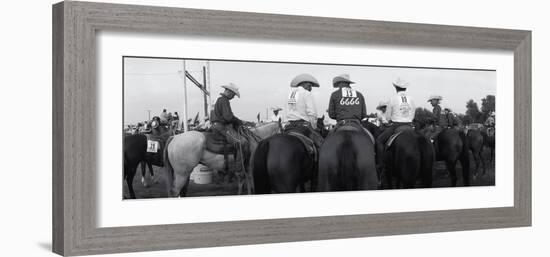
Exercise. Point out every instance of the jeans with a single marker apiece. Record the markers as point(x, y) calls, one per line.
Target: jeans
point(303, 127)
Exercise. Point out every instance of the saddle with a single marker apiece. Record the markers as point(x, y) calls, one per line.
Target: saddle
point(398, 131)
point(352, 125)
point(307, 142)
point(218, 144)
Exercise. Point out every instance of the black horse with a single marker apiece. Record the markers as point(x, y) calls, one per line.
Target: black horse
point(347, 161)
point(451, 146)
point(282, 164)
point(409, 158)
point(476, 141)
point(489, 141)
point(134, 152)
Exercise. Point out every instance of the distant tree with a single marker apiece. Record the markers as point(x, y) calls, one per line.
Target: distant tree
point(472, 111)
point(487, 106)
point(465, 119)
point(423, 117)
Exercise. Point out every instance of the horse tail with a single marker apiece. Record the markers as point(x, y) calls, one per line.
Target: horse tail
point(347, 172)
point(168, 166)
point(427, 156)
point(260, 171)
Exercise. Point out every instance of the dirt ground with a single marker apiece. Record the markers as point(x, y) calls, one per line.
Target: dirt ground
point(158, 188)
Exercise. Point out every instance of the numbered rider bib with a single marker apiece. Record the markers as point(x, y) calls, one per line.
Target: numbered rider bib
point(152, 146)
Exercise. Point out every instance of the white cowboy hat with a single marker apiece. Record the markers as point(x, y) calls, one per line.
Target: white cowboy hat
point(304, 78)
point(233, 88)
point(400, 83)
point(342, 78)
point(276, 108)
point(435, 97)
point(381, 104)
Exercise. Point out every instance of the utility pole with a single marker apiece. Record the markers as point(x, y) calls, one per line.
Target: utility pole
point(204, 88)
point(184, 97)
point(149, 115)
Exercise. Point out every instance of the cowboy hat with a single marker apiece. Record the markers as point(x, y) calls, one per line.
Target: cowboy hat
point(341, 78)
point(304, 78)
point(400, 83)
point(233, 88)
point(381, 104)
point(276, 108)
point(435, 97)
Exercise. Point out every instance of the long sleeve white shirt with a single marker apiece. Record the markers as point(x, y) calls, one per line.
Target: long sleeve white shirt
point(401, 108)
point(301, 106)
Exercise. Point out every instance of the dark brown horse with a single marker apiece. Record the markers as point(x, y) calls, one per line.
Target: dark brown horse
point(409, 158)
point(476, 142)
point(489, 139)
point(134, 151)
point(451, 146)
point(282, 164)
point(347, 162)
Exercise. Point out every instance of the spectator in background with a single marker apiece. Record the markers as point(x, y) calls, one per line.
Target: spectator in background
point(164, 117)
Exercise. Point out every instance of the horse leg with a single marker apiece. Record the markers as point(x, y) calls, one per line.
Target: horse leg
point(482, 162)
point(181, 181)
point(143, 164)
point(476, 161)
point(131, 172)
point(183, 190)
point(452, 171)
point(153, 178)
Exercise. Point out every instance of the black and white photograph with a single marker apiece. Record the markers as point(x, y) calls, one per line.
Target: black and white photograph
point(205, 127)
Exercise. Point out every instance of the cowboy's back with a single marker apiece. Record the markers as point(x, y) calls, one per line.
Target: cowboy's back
point(346, 103)
point(401, 108)
point(222, 111)
point(301, 106)
point(440, 119)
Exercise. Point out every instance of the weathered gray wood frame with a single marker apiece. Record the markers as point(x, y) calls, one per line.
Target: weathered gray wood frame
point(74, 131)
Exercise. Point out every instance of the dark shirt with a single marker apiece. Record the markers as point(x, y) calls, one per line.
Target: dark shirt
point(440, 119)
point(346, 103)
point(222, 111)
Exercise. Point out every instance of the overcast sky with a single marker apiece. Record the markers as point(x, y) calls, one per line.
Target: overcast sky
point(155, 84)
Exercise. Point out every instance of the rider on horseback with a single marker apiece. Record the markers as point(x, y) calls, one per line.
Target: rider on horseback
point(441, 119)
point(381, 116)
point(400, 112)
point(302, 112)
point(224, 122)
point(346, 106)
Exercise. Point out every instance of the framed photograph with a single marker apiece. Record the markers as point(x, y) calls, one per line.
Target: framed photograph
point(233, 128)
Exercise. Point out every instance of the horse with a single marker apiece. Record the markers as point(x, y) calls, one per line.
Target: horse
point(183, 152)
point(282, 164)
point(489, 139)
point(408, 158)
point(135, 153)
point(476, 141)
point(451, 146)
point(347, 161)
point(134, 150)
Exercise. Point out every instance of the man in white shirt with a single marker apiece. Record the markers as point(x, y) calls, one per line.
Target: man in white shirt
point(277, 117)
point(400, 111)
point(302, 112)
point(381, 117)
